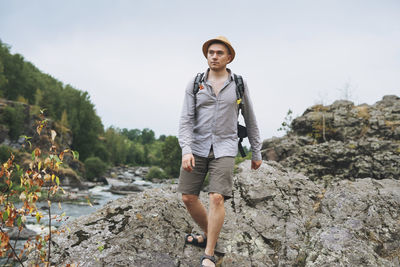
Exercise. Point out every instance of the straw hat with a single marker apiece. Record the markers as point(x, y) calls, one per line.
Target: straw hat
point(219, 39)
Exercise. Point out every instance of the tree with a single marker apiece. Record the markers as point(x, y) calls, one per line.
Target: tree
point(171, 156)
point(162, 138)
point(14, 118)
point(101, 151)
point(21, 79)
point(116, 144)
point(133, 135)
point(147, 136)
point(135, 154)
point(3, 79)
point(86, 126)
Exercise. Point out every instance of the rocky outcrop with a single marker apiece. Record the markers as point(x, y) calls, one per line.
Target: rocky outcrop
point(28, 127)
point(127, 179)
point(342, 141)
point(276, 218)
point(69, 177)
point(127, 173)
point(28, 116)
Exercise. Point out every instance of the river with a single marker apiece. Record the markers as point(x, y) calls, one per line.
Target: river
point(98, 195)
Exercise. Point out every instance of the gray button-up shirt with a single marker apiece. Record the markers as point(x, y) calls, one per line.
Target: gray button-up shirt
point(216, 121)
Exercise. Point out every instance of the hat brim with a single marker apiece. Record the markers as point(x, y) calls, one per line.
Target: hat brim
point(209, 42)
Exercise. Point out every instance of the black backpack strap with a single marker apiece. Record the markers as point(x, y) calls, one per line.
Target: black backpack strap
point(241, 149)
point(197, 82)
point(239, 90)
point(196, 88)
point(242, 131)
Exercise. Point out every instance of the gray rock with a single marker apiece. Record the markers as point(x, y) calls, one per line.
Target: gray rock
point(142, 171)
point(127, 173)
point(70, 178)
point(21, 140)
point(6, 142)
point(125, 189)
point(276, 217)
point(25, 234)
point(342, 141)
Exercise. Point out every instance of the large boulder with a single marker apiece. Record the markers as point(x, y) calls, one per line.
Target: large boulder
point(70, 178)
point(343, 120)
point(276, 218)
point(342, 141)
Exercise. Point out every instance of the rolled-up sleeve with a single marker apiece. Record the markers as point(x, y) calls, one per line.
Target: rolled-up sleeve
point(187, 120)
point(251, 125)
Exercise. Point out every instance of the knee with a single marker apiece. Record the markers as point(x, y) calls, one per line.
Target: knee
point(189, 199)
point(216, 199)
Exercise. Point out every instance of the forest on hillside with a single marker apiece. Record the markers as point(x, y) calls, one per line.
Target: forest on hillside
point(72, 109)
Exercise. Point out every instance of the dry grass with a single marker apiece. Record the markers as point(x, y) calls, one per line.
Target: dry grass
point(317, 204)
point(364, 130)
point(362, 112)
point(319, 108)
point(392, 124)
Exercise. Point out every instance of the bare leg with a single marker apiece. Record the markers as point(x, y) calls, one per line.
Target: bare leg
point(197, 211)
point(216, 218)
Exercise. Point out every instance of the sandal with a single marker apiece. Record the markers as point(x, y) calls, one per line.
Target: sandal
point(195, 240)
point(211, 258)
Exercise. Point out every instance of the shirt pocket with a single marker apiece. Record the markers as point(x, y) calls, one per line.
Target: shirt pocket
point(204, 100)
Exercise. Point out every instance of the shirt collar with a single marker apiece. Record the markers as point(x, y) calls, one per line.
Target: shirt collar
point(205, 76)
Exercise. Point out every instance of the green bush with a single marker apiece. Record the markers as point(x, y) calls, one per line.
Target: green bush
point(5, 152)
point(95, 167)
point(156, 172)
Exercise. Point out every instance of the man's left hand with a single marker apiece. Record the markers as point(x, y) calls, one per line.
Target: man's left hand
point(255, 164)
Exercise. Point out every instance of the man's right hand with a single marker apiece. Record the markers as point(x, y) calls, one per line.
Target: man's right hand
point(188, 162)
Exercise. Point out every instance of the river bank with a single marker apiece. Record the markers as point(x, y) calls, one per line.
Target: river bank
point(75, 202)
point(120, 181)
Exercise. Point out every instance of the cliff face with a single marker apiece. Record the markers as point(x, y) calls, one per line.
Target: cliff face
point(26, 125)
point(17, 120)
point(298, 212)
point(342, 141)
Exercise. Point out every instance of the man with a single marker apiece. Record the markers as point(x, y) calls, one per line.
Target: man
point(209, 142)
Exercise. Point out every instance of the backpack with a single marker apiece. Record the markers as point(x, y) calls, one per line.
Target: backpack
point(241, 130)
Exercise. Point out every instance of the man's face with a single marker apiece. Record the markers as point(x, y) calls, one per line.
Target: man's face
point(218, 56)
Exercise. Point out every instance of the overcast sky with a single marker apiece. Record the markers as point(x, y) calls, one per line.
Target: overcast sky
point(135, 58)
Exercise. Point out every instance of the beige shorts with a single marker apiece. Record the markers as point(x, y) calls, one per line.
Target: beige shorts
point(220, 176)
